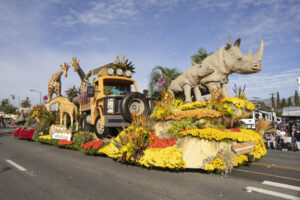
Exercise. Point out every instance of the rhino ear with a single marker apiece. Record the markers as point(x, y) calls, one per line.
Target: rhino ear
point(237, 43)
point(228, 45)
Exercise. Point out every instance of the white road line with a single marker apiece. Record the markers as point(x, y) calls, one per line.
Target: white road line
point(19, 167)
point(272, 193)
point(286, 186)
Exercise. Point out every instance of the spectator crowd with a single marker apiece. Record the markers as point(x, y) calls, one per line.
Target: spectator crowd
point(286, 137)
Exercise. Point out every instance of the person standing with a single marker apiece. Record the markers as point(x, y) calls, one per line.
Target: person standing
point(294, 136)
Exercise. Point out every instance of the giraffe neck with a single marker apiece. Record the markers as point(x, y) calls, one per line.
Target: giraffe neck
point(81, 74)
point(58, 75)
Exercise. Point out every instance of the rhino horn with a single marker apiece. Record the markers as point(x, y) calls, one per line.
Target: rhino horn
point(228, 45)
point(260, 50)
point(237, 43)
point(249, 53)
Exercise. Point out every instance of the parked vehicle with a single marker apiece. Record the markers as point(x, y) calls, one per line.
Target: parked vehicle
point(268, 116)
point(114, 97)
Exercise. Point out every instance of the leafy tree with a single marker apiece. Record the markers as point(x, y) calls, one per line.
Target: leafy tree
point(296, 99)
point(283, 103)
point(168, 74)
point(4, 102)
point(289, 103)
point(273, 101)
point(200, 56)
point(278, 100)
point(263, 105)
point(9, 109)
point(26, 103)
point(6, 107)
point(72, 92)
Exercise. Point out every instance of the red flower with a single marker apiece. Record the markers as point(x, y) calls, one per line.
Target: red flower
point(234, 129)
point(22, 134)
point(29, 134)
point(92, 144)
point(161, 142)
point(17, 132)
point(64, 142)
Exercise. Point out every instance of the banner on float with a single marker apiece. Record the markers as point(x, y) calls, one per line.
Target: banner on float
point(60, 132)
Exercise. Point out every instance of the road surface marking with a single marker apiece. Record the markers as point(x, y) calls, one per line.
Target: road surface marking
point(283, 177)
point(274, 166)
point(19, 167)
point(286, 186)
point(272, 193)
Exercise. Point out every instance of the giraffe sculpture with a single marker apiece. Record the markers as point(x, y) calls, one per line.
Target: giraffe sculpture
point(54, 85)
point(65, 107)
point(80, 73)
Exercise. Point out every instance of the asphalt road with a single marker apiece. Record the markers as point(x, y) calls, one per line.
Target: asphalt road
point(30, 170)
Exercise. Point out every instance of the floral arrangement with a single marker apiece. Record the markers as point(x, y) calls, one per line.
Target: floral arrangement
point(83, 97)
point(123, 63)
point(64, 142)
point(91, 147)
point(169, 157)
point(166, 107)
point(29, 134)
point(194, 105)
point(22, 134)
point(161, 142)
point(17, 132)
point(197, 113)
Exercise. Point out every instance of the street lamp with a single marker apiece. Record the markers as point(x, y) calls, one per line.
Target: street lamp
point(38, 92)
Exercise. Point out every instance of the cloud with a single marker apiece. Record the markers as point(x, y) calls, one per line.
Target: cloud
point(82, 40)
point(262, 84)
point(99, 13)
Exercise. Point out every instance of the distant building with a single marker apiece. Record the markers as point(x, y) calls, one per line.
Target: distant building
point(291, 112)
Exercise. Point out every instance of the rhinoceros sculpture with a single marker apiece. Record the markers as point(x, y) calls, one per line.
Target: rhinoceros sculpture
point(213, 71)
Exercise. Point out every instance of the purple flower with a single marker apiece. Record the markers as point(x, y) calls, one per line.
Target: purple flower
point(161, 81)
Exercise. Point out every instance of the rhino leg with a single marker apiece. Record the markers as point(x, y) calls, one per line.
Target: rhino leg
point(187, 92)
point(213, 86)
point(224, 91)
point(197, 93)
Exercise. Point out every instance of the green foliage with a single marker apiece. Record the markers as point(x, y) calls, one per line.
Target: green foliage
point(26, 103)
point(278, 100)
point(289, 103)
point(8, 109)
point(200, 55)
point(263, 105)
point(72, 93)
point(168, 74)
point(239, 91)
point(123, 63)
point(273, 101)
point(82, 137)
point(283, 103)
point(296, 99)
point(183, 124)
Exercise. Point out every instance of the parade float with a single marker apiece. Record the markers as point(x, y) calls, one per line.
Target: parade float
point(173, 134)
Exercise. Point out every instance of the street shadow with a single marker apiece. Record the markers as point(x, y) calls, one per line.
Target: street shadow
point(5, 169)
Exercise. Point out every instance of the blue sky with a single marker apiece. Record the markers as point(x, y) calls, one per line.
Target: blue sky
point(37, 36)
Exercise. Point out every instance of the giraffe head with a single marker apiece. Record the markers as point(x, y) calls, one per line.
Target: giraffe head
point(75, 64)
point(65, 68)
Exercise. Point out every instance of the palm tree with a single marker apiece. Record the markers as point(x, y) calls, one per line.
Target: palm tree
point(71, 93)
point(4, 102)
point(26, 103)
point(200, 55)
point(159, 72)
